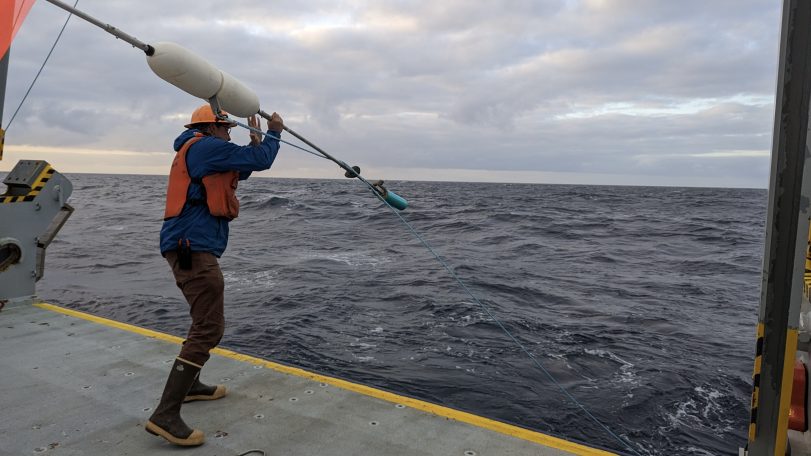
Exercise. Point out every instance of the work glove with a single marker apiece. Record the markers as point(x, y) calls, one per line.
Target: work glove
point(275, 123)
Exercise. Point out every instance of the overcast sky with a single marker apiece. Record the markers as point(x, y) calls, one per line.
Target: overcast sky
point(637, 92)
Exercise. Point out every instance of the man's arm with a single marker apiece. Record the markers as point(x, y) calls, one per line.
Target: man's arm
point(216, 155)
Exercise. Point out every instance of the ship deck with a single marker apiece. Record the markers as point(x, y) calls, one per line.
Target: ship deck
point(76, 384)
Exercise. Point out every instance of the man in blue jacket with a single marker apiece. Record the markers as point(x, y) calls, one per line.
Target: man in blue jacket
point(200, 202)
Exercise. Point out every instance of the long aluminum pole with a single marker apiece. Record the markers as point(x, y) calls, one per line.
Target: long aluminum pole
point(350, 171)
point(149, 50)
point(786, 238)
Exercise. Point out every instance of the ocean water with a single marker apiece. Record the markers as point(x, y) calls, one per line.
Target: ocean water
point(640, 301)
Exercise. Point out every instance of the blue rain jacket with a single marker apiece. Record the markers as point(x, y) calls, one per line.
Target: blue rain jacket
point(208, 156)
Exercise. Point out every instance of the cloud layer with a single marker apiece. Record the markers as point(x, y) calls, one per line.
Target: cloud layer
point(646, 91)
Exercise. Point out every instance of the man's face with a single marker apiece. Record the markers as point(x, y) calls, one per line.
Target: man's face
point(222, 131)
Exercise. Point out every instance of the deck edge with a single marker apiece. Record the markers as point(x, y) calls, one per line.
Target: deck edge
point(435, 409)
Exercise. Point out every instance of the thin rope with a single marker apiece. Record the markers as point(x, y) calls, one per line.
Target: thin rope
point(256, 130)
point(319, 155)
point(13, 116)
point(17, 17)
point(477, 301)
point(504, 328)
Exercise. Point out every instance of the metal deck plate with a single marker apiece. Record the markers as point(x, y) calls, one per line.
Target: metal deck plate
point(81, 385)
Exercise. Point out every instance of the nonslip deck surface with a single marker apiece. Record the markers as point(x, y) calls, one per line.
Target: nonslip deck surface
point(74, 384)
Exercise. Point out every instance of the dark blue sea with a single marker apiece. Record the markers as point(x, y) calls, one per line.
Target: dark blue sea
point(640, 301)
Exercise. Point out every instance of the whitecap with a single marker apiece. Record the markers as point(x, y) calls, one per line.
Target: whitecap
point(237, 280)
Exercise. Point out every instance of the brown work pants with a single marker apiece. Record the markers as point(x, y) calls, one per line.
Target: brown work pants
point(203, 287)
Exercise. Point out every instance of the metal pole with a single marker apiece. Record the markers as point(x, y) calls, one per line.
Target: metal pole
point(351, 172)
point(3, 77)
point(786, 238)
point(149, 50)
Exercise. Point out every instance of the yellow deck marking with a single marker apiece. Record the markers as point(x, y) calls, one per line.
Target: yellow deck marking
point(464, 417)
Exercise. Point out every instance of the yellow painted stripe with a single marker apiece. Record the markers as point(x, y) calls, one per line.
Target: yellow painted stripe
point(761, 331)
point(445, 412)
point(807, 275)
point(785, 392)
point(43, 177)
point(753, 426)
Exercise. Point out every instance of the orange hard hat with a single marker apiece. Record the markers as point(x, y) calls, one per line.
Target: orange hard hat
point(205, 115)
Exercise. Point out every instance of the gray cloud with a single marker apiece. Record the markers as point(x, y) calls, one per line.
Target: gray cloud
point(598, 86)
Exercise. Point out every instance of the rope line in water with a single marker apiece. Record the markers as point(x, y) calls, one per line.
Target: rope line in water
point(504, 328)
point(477, 301)
point(13, 116)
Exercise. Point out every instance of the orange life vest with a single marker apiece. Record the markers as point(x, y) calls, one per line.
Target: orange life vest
point(220, 188)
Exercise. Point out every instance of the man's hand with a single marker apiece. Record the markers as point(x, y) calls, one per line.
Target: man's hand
point(275, 123)
point(256, 138)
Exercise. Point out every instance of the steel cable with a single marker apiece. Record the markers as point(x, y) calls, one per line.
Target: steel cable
point(13, 116)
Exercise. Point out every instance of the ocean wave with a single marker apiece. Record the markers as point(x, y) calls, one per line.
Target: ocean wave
point(633, 298)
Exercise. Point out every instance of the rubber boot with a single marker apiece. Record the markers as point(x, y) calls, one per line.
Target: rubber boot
point(166, 421)
point(199, 391)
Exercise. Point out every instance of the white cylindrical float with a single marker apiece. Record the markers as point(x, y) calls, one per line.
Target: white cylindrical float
point(194, 75)
point(237, 99)
point(185, 70)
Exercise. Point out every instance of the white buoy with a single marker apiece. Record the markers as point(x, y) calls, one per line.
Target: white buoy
point(237, 99)
point(194, 75)
point(185, 70)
